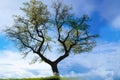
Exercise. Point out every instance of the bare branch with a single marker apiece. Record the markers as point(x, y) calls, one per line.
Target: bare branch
point(26, 44)
point(44, 58)
point(68, 35)
point(62, 57)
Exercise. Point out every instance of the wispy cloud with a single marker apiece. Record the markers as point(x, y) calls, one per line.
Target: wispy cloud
point(102, 63)
point(8, 8)
point(81, 7)
point(14, 66)
point(109, 10)
point(116, 22)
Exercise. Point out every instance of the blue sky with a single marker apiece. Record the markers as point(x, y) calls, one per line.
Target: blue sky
point(102, 63)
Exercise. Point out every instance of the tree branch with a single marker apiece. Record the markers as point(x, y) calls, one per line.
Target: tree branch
point(67, 35)
point(44, 58)
point(26, 22)
point(26, 44)
point(62, 57)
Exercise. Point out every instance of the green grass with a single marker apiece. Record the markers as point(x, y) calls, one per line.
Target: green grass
point(47, 78)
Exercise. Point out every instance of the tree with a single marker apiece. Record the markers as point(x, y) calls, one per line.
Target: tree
point(31, 32)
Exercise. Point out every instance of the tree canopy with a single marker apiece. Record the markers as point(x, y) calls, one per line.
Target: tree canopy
point(40, 29)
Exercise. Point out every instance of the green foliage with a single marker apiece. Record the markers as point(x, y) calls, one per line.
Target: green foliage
point(28, 29)
point(36, 12)
point(32, 30)
point(40, 29)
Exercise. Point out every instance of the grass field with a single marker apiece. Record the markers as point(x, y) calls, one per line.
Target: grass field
point(47, 78)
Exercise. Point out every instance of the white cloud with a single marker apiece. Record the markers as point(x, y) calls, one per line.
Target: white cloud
point(103, 63)
point(14, 66)
point(81, 7)
point(116, 22)
point(109, 11)
point(8, 8)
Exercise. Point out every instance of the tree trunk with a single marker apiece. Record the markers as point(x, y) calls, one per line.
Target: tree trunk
point(55, 69)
